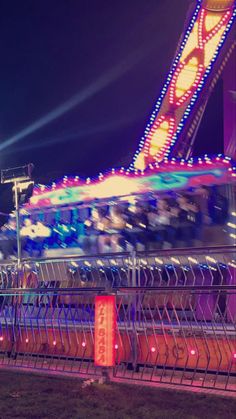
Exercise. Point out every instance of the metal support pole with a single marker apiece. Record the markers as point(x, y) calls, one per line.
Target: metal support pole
point(134, 312)
point(15, 326)
point(17, 226)
point(133, 258)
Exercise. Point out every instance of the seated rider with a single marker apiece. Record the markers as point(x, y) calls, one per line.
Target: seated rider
point(116, 228)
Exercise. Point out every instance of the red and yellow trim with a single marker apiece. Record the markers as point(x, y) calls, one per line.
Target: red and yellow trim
point(195, 60)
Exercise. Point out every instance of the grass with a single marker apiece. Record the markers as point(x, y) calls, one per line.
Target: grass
point(34, 396)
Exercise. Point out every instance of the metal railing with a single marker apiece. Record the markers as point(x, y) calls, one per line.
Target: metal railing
point(183, 266)
point(176, 315)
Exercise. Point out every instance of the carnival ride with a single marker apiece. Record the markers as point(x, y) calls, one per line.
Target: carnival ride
point(205, 48)
point(175, 308)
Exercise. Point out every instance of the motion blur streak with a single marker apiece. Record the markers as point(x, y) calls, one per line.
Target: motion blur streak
point(103, 81)
point(79, 133)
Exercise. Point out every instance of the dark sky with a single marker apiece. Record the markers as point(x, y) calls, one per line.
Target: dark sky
point(115, 54)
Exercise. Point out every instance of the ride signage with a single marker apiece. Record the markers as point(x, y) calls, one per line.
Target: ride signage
point(105, 322)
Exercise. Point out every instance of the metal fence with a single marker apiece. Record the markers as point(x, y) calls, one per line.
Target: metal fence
point(168, 267)
point(176, 315)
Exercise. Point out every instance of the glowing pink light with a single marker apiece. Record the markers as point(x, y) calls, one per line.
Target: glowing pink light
point(193, 352)
point(234, 355)
point(116, 346)
point(105, 310)
point(26, 340)
point(1, 338)
point(153, 349)
point(83, 344)
point(54, 343)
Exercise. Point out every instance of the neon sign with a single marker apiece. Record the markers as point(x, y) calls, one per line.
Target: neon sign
point(105, 322)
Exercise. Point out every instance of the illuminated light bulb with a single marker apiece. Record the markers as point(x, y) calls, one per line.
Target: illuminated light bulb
point(193, 352)
point(87, 263)
point(159, 261)
point(1, 338)
point(142, 225)
point(211, 259)
point(153, 349)
point(54, 343)
point(212, 268)
point(116, 346)
point(83, 344)
point(74, 264)
point(27, 340)
point(129, 225)
point(100, 226)
point(231, 225)
point(176, 261)
point(192, 260)
point(234, 355)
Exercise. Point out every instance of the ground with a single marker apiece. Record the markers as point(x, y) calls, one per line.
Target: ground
point(33, 396)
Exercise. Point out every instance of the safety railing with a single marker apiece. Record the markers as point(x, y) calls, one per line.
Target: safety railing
point(176, 316)
point(173, 335)
point(213, 265)
point(178, 335)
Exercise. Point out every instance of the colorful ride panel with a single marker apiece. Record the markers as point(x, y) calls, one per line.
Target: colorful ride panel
point(170, 175)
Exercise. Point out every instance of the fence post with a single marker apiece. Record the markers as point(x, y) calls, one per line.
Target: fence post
point(134, 312)
point(134, 263)
point(15, 300)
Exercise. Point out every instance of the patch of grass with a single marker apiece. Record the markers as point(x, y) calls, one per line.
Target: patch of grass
point(33, 396)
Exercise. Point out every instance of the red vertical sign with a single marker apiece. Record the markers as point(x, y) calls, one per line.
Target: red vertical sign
point(105, 322)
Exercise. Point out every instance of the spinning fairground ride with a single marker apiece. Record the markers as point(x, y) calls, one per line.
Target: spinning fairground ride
point(163, 160)
point(170, 312)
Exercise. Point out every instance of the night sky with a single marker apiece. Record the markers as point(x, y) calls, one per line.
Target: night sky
point(111, 57)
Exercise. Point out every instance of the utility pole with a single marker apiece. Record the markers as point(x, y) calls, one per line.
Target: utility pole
point(21, 179)
point(22, 184)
